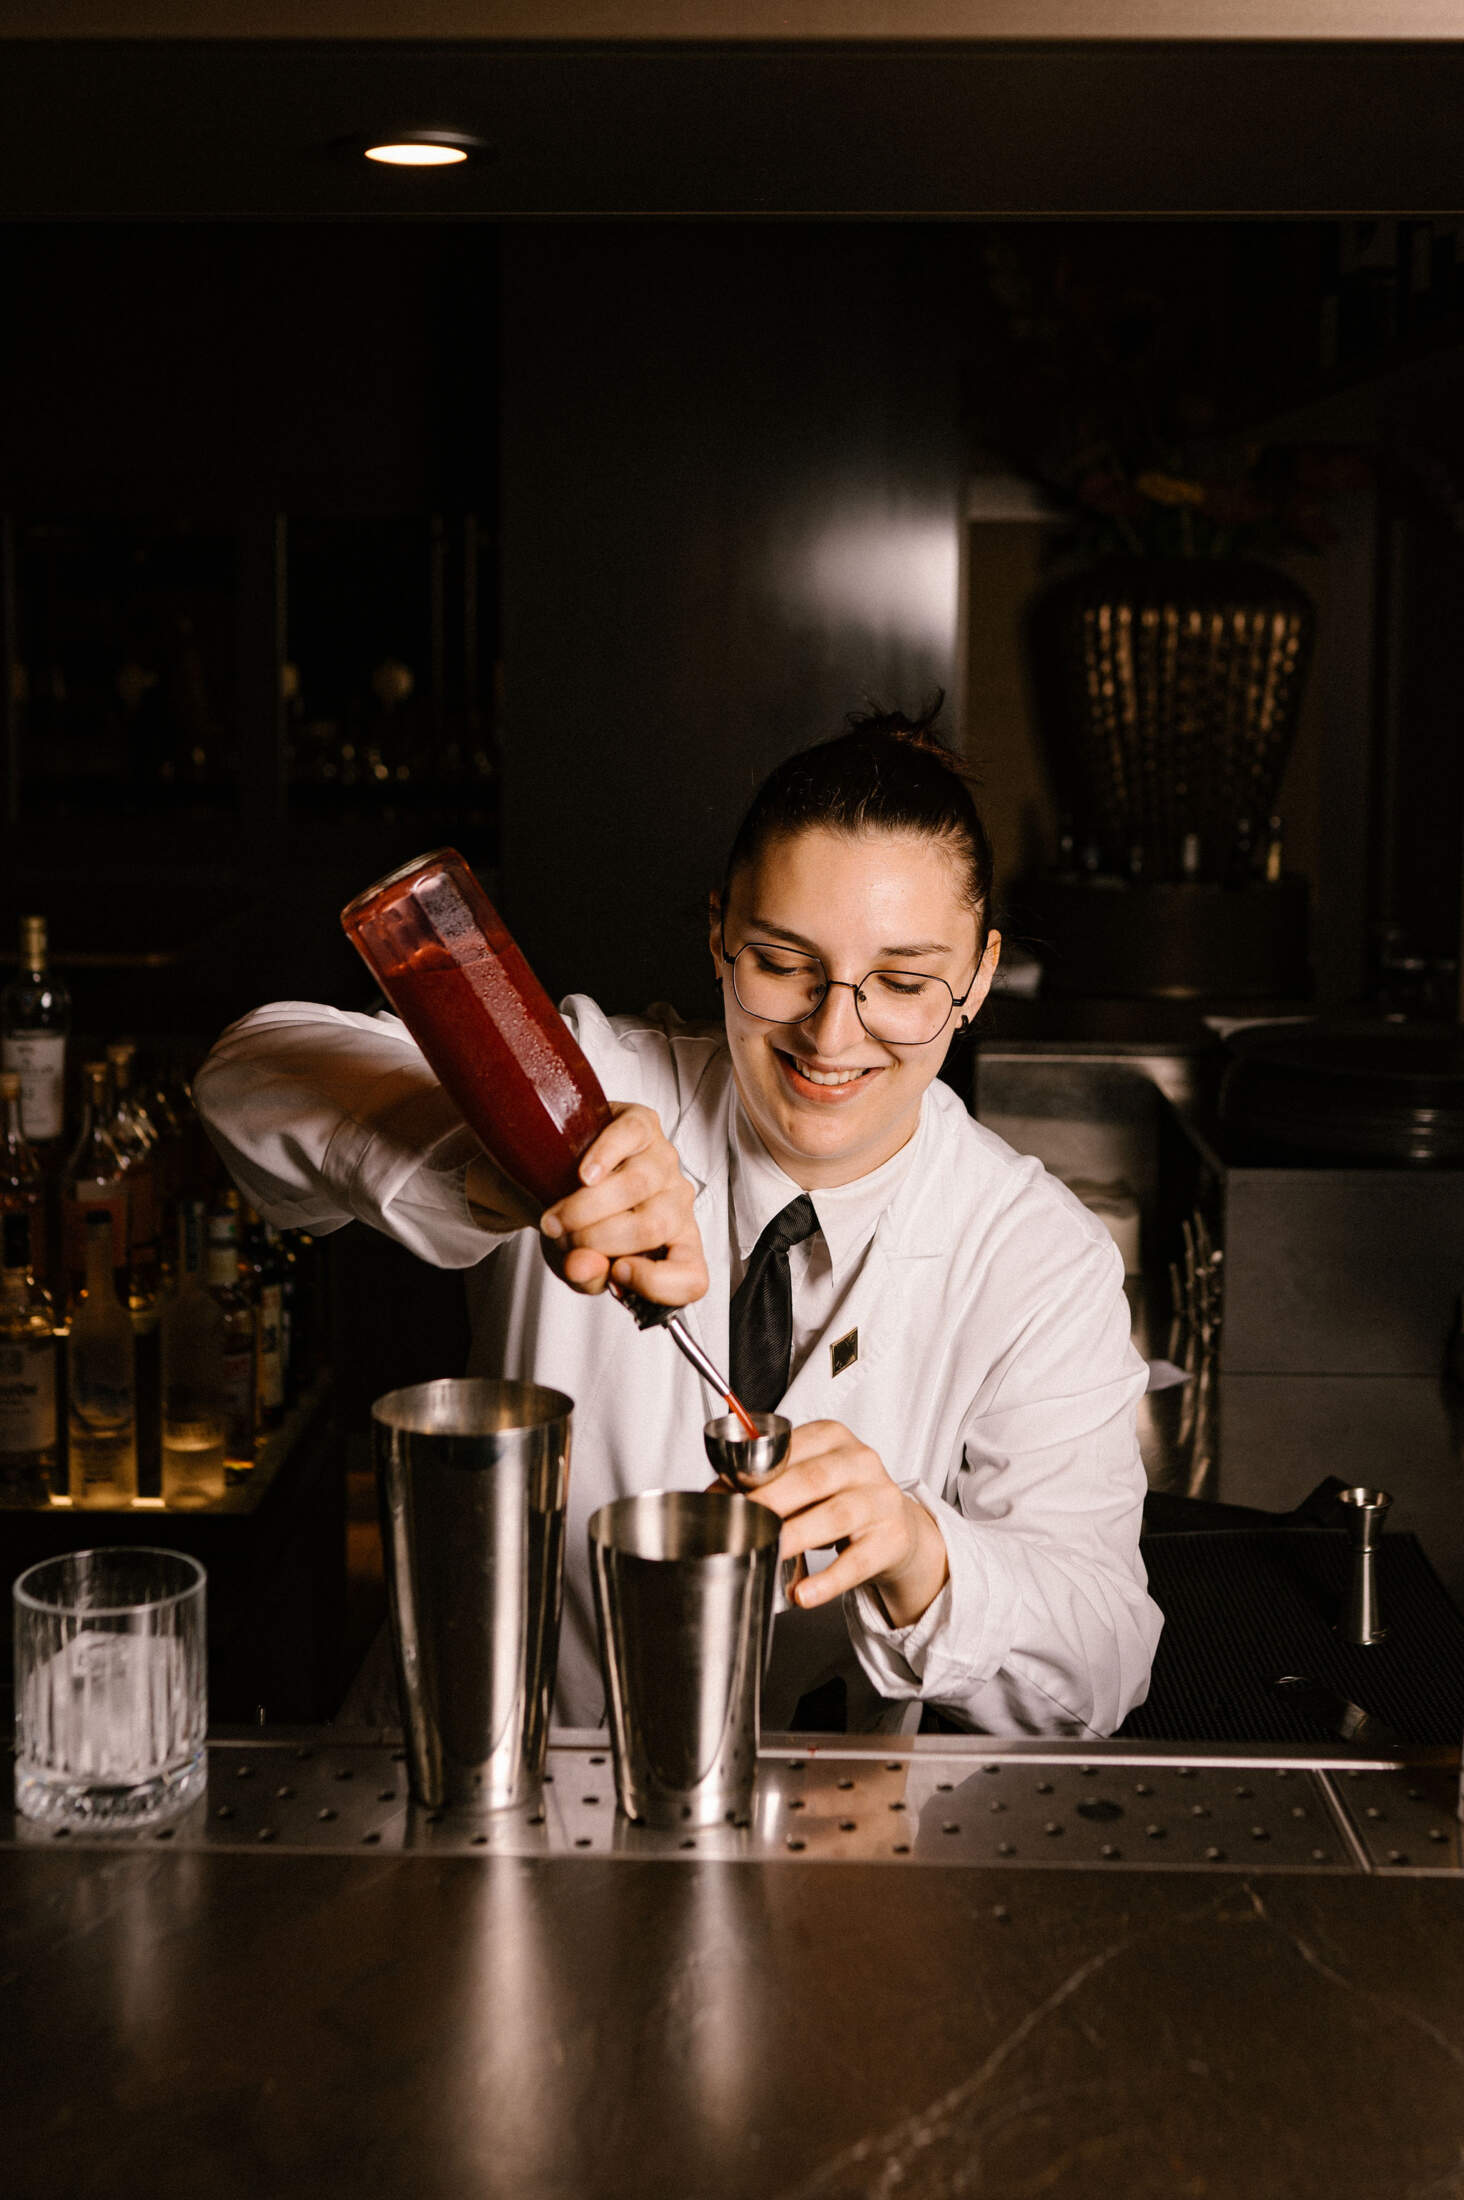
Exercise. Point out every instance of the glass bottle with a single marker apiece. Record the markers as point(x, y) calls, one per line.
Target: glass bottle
point(262, 1282)
point(161, 1101)
point(21, 1187)
point(27, 1369)
point(94, 1180)
point(35, 1018)
point(101, 1399)
point(223, 1283)
point(299, 1286)
point(131, 1131)
point(193, 1375)
point(445, 960)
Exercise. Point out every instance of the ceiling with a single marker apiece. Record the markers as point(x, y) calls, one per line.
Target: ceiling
point(620, 110)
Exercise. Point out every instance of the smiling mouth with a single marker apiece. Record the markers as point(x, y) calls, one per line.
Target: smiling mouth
point(826, 1084)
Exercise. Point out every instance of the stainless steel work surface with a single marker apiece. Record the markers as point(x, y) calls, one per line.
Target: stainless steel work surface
point(964, 1803)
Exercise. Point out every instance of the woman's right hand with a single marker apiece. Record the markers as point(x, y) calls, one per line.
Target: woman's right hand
point(633, 1205)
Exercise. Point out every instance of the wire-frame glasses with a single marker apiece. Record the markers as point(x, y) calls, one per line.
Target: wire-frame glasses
point(783, 985)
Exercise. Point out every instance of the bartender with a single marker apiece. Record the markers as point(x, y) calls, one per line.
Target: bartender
point(942, 1321)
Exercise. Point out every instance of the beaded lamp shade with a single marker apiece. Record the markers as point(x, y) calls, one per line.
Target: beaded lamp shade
point(1172, 691)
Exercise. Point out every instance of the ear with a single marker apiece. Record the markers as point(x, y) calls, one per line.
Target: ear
point(714, 931)
point(976, 999)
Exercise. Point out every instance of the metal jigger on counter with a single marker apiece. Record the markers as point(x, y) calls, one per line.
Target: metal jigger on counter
point(747, 1462)
point(1366, 1512)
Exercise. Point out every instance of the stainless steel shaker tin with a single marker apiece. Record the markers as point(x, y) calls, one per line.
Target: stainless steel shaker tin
point(683, 1583)
point(472, 1478)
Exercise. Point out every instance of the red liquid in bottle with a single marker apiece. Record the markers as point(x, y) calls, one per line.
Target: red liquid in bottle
point(446, 962)
point(500, 1048)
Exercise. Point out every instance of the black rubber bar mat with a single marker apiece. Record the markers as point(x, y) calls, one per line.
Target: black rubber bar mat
point(1244, 1608)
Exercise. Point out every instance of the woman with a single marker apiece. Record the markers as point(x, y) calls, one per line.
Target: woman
point(964, 1472)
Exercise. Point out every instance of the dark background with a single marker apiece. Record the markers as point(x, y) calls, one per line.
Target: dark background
point(643, 443)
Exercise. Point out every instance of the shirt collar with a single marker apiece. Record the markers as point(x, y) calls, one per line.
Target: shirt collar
point(848, 1214)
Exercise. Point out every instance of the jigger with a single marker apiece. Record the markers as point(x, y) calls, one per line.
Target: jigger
point(747, 1462)
point(1366, 1510)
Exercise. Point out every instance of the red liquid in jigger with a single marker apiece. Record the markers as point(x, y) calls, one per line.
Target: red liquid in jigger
point(497, 1043)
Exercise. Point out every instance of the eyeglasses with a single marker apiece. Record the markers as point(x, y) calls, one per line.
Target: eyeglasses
point(781, 985)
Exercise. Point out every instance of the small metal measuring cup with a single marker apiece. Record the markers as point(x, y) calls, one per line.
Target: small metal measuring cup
point(748, 1462)
point(1366, 1512)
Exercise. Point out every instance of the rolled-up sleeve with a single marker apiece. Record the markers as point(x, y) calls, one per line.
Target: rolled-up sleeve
point(324, 1117)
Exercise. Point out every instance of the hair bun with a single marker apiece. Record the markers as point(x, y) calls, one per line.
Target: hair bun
point(917, 733)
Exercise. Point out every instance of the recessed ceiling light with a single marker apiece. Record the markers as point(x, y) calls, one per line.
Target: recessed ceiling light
point(422, 148)
point(408, 155)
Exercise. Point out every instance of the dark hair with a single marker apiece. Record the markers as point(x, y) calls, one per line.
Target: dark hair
point(887, 773)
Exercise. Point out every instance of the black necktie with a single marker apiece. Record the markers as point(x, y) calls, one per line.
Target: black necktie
point(762, 1309)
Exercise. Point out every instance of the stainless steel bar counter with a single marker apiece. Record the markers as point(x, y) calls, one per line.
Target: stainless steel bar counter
point(1033, 1968)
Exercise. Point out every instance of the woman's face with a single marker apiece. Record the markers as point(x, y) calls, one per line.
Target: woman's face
point(827, 1101)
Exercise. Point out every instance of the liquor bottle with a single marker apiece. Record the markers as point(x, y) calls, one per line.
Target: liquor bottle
point(94, 1181)
point(131, 1131)
point(223, 1283)
point(161, 1101)
point(35, 1017)
point(101, 1401)
point(27, 1369)
point(193, 1375)
point(261, 1280)
point(21, 1186)
point(299, 1285)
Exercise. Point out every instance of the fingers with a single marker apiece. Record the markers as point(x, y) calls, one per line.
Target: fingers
point(837, 1491)
point(634, 1130)
point(623, 1222)
point(633, 1213)
point(822, 1458)
point(678, 1280)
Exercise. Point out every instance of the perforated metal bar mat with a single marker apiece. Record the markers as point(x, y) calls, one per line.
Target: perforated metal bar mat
point(1244, 1608)
point(1025, 1808)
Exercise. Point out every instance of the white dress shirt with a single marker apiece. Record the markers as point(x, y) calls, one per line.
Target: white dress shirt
point(822, 1268)
point(993, 1374)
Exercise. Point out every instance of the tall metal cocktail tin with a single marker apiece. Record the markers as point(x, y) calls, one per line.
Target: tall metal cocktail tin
point(683, 1584)
point(472, 1477)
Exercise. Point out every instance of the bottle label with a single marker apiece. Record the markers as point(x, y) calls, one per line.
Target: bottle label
point(39, 1058)
point(27, 1395)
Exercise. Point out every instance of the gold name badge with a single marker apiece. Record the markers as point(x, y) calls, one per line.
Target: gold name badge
point(844, 1351)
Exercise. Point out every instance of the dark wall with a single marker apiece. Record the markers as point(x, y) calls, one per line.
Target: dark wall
point(201, 367)
point(731, 480)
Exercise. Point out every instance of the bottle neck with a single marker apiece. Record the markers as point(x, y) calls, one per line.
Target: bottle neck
point(94, 1127)
point(190, 1244)
point(35, 956)
point(100, 1258)
point(15, 1255)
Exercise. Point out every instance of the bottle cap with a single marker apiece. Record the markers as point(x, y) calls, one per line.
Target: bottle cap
point(33, 939)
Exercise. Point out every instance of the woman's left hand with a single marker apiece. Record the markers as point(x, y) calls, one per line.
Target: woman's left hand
point(836, 1490)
